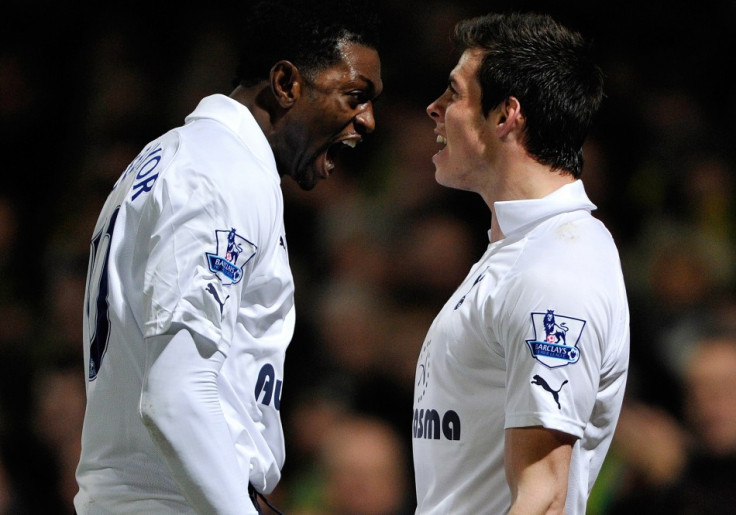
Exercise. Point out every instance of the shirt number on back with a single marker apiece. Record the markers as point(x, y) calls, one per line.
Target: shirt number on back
point(97, 296)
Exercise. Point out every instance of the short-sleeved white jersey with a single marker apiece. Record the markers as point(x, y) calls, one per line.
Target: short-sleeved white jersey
point(192, 236)
point(536, 335)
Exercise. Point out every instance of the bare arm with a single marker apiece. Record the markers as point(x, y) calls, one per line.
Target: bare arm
point(537, 468)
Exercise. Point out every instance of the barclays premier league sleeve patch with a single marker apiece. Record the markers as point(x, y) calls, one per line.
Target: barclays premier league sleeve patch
point(555, 342)
point(231, 254)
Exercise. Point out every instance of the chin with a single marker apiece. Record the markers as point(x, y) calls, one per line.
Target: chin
point(306, 181)
point(307, 186)
point(442, 174)
point(442, 179)
point(457, 179)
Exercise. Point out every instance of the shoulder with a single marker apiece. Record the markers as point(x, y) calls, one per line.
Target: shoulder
point(573, 244)
point(211, 154)
point(565, 261)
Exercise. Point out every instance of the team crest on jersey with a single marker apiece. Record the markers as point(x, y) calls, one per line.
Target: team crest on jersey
point(231, 254)
point(555, 342)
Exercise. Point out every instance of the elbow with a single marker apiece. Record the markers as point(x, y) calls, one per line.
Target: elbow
point(159, 407)
point(149, 410)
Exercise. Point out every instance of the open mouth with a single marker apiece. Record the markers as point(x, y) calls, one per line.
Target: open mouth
point(333, 151)
point(442, 140)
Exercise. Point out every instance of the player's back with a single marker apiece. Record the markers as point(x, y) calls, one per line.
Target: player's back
point(119, 459)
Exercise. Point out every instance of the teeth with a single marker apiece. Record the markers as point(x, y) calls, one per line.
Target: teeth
point(330, 165)
point(350, 142)
point(441, 139)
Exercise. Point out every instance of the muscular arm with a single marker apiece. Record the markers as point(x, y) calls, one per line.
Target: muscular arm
point(537, 468)
point(181, 408)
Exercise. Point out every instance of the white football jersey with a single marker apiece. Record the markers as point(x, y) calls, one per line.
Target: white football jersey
point(536, 335)
point(191, 236)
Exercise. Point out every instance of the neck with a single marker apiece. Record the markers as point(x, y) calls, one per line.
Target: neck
point(255, 98)
point(527, 182)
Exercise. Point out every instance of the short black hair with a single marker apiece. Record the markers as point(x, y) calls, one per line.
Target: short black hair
point(549, 69)
point(306, 33)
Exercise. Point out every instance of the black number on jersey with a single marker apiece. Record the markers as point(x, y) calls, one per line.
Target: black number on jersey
point(97, 291)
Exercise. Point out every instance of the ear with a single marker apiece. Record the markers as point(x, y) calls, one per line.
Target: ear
point(286, 83)
point(509, 117)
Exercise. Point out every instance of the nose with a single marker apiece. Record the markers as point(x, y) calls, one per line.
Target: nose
point(366, 118)
point(434, 109)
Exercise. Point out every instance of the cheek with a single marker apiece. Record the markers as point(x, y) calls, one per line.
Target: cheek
point(465, 141)
point(329, 113)
point(464, 129)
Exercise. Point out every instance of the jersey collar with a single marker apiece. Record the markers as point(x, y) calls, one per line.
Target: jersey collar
point(519, 215)
point(238, 118)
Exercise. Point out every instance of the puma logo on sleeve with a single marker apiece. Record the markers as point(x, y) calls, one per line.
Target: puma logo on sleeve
point(211, 289)
point(539, 380)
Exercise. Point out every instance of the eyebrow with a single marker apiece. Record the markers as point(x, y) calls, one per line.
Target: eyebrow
point(452, 83)
point(371, 87)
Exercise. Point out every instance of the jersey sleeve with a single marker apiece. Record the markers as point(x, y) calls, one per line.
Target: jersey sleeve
point(203, 249)
point(550, 333)
point(181, 408)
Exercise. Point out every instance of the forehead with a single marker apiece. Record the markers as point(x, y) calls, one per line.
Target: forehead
point(466, 70)
point(360, 66)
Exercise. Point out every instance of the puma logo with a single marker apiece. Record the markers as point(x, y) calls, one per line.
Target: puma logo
point(555, 393)
point(211, 289)
point(477, 280)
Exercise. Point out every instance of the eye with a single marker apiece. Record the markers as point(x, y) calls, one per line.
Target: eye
point(451, 92)
point(358, 97)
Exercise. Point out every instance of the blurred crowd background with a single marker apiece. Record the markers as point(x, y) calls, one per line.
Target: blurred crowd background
point(378, 248)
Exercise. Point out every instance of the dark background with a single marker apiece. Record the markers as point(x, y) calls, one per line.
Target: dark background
point(82, 91)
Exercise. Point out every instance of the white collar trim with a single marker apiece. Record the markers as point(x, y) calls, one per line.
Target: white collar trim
point(238, 118)
point(517, 215)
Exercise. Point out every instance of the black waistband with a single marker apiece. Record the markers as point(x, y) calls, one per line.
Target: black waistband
point(255, 495)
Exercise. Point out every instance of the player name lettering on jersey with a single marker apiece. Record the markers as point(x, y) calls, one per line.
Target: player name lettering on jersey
point(145, 176)
point(144, 165)
point(429, 425)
